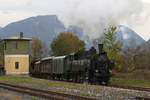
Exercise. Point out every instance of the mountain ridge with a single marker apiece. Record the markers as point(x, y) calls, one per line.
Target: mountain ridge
point(47, 27)
point(128, 37)
point(43, 27)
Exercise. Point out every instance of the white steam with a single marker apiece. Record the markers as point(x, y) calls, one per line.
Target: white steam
point(96, 15)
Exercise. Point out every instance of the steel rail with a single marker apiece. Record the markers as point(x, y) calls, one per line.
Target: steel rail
point(131, 87)
point(43, 93)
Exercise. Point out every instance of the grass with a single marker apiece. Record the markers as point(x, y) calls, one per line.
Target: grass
point(84, 89)
point(46, 83)
point(37, 82)
point(137, 78)
point(130, 82)
point(62, 87)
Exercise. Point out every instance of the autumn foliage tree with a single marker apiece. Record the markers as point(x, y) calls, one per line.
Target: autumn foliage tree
point(37, 48)
point(66, 43)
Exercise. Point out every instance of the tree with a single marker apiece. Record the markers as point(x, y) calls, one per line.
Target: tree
point(130, 55)
point(112, 46)
point(37, 48)
point(66, 43)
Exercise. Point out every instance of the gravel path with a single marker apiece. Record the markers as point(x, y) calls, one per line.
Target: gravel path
point(105, 93)
point(10, 95)
point(100, 93)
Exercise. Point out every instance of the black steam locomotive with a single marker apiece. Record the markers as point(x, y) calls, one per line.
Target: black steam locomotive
point(83, 66)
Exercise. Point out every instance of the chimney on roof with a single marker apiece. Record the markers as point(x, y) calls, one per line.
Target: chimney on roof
point(21, 35)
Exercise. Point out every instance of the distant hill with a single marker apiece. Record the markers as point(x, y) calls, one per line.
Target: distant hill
point(47, 28)
point(145, 47)
point(75, 29)
point(128, 37)
point(43, 27)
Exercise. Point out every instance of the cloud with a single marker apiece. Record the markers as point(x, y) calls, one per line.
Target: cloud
point(7, 17)
point(92, 15)
point(96, 15)
point(146, 1)
point(14, 10)
point(141, 23)
point(6, 2)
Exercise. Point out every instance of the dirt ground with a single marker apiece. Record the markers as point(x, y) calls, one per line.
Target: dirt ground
point(10, 95)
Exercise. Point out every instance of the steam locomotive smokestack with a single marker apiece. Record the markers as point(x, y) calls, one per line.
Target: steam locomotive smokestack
point(100, 47)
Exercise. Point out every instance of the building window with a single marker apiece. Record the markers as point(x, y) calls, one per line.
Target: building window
point(14, 45)
point(17, 65)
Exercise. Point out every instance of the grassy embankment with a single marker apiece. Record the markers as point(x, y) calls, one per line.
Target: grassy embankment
point(137, 78)
point(130, 82)
point(46, 83)
point(62, 87)
point(71, 88)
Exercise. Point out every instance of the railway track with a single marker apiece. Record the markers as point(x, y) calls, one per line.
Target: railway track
point(131, 88)
point(61, 96)
point(42, 93)
point(134, 88)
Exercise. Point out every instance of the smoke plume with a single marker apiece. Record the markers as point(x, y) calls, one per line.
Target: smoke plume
point(96, 15)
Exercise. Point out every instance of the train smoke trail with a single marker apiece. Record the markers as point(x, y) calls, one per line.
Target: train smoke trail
point(96, 15)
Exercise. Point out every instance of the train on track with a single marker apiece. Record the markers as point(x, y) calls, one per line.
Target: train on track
point(84, 66)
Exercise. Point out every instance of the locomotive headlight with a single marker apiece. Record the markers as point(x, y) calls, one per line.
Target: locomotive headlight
point(110, 71)
point(96, 71)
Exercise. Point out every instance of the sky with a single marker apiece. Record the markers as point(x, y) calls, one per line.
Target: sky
point(88, 14)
